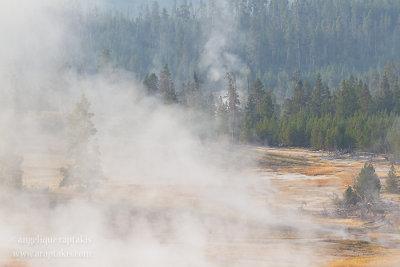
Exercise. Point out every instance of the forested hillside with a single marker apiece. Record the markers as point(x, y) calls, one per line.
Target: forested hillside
point(309, 73)
point(265, 39)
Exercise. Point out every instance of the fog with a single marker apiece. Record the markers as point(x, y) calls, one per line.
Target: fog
point(171, 198)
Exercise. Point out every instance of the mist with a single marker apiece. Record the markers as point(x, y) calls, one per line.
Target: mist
point(171, 197)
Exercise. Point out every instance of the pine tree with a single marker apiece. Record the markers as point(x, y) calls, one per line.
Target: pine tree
point(386, 95)
point(392, 183)
point(166, 86)
point(346, 99)
point(393, 138)
point(374, 83)
point(368, 185)
point(83, 169)
point(151, 83)
point(326, 106)
point(317, 97)
point(259, 109)
point(267, 108)
point(298, 101)
point(257, 92)
point(247, 133)
point(233, 104)
point(317, 135)
point(365, 99)
point(396, 98)
point(299, 97)
point(194, 94)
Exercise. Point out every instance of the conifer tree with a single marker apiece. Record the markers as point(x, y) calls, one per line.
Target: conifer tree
point(257, 91)
point(166, 86)
point(267, 108)
point(396, 98)
point(368, 185)
point(298, 100)
point(151, 83)
point(83, 159)
point(393, 138)
point(346, 100)
point(233, 104)
point(392, 183)
point(317, 97)
point(194, 94)
point(365, 99)
point(386, 95)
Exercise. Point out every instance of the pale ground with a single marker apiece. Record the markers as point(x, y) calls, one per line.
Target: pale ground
point(296, 187)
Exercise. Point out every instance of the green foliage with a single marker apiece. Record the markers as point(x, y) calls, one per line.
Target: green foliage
point(151, 83)
point(347, 99)
point(392, 183)
point(345, 121)
point(274, 40)
point(166, 86)
point(259, 115)
point(364, 196)
point(222, 118)
point(83, 169)
point(368, 185)
point(358, 115)
point(385, 98)
point(350, 197)
point(393, 138)
point(318, 97)
point(233, 105)
point(80, 127)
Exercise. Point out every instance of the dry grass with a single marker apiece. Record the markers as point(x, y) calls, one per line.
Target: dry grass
point(302, 164)
point(388, 260)
point(353, 262)
point(356, 253)
point(276, 161)
point(356, 248)
point(348, 222)
point(321, 170)
point(306, 183)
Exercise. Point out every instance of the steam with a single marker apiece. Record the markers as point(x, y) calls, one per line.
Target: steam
point(171, 199)
point(215, 58)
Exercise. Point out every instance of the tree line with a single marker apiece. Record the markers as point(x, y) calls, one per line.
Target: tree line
point(350, 117)
point(273, 38)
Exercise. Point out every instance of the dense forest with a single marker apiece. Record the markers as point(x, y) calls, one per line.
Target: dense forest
point(309, 73)
point(351, 118)
point(255, 38)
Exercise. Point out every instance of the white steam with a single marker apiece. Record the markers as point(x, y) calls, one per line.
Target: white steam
point(171, 198)
point(215, 58)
